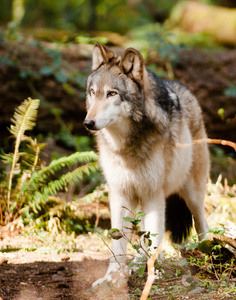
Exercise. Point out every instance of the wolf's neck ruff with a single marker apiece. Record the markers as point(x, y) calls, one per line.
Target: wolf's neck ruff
point(130, 139)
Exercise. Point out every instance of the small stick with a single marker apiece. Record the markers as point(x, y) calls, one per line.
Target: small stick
point(108, 248)
point(209, 141)
point(151, 274)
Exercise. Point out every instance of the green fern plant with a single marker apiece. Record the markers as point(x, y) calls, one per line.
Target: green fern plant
point(28, 185)
point(72, 219)
point(23, 120)
point(43, 187)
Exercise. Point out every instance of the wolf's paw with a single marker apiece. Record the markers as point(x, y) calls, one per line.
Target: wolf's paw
point(112, 286)
point(113, 278)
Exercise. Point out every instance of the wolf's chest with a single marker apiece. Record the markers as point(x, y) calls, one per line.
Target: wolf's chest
point(133, 175)
point(161, 170)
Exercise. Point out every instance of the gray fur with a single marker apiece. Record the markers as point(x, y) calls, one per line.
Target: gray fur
point(142, 125)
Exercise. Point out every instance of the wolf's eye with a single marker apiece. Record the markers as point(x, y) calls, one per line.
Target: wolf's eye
point(92, 91)
point(111, 93)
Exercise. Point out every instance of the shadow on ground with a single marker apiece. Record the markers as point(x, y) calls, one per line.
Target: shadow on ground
point(51, 280)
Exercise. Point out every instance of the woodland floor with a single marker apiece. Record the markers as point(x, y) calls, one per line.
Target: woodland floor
point(33, 276)
point(46, 272)
point(43, 273)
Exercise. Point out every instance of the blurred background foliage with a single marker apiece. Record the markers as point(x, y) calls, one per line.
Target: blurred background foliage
point(88, 15)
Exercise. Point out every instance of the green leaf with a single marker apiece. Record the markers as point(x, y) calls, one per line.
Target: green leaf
point(128, 219)
point(216, 230)
point(140, 233)
point(136, 247)
point(69, 89)
point(141, 270)
point(230, 91)
point(140, 214)
point(7, 158)
point(6, 61)
point(141, 258)
point(61, 76)
point(147, 242)
point(221, 113)
point(221, 232)
point(131, 220)
point(192, 246)
point(46, 70)
point(132, 264)
point(115, 234)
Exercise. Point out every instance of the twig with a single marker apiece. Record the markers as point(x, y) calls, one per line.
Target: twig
point(209, 141)
point(108, 248)
point(151, 274)
point(97, 210)
point(216, 275)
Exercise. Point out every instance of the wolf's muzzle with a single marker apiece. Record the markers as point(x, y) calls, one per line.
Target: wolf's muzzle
point(89, 124)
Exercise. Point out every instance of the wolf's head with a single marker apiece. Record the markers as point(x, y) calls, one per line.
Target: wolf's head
point(115, 88)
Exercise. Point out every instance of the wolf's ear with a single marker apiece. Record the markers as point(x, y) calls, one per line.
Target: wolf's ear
point(101, 55)
point(132, 63)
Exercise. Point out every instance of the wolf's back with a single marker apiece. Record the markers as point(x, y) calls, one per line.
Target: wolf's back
point(190, 107)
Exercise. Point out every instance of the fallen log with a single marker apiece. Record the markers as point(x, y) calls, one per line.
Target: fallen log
point(216, 21)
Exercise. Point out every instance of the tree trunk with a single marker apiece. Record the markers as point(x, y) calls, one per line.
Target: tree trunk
point(18, 11)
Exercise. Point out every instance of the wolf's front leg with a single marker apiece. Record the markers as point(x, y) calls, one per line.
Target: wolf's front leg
point(154, 220)
point(117, 267)
point(154, 223)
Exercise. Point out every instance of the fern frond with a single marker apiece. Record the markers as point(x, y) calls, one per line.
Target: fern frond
point(23, 119)
point(71, 177)
point(7, 158)
point(66, 161)
point(30, 159)
point(101, 192)
point(55, 186)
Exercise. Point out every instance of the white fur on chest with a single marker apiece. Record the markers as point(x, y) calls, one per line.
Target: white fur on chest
point(131, 176)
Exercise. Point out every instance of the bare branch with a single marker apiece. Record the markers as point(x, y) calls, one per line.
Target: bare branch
point(151, 273)
point(209, 141)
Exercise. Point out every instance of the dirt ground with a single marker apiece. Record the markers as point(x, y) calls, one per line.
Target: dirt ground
point(35, 270)
point(45, 274)
point(46, 266)
point(27, 275)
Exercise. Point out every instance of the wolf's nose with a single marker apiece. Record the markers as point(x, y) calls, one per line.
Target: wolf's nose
point(89, 124)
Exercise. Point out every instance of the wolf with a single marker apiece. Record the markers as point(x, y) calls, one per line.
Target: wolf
point(142, 125)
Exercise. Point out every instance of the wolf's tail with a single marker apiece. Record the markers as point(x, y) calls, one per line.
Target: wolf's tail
point(178, 218)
